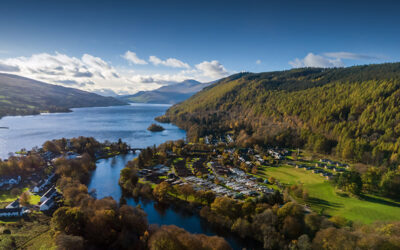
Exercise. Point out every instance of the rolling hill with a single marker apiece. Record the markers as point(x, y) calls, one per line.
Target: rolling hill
point(24, 96)
point(352, 112)
point(170, 94)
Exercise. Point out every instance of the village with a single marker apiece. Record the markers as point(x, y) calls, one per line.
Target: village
point(37, 185)
point(230, 171)
point(224, 170)
point(40, 186)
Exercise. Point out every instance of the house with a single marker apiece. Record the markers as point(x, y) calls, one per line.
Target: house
point(47, 204)
point(49, 194)
point(161, 169)
point(71, 155)
point(14, 204)
point(10, 181)
point(43, 183)
point(11, 212)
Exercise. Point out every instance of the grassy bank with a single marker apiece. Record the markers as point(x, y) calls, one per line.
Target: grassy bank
point(324, 197)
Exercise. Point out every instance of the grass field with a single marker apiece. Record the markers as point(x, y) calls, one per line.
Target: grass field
point(323, 196)
point(33, 233)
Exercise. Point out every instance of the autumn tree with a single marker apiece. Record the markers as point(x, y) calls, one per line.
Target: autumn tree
point(25, 198)
point(161, 190)
point(186, 190)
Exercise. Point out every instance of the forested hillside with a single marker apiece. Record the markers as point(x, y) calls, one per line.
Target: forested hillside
point(351, 112)
point(24, 96)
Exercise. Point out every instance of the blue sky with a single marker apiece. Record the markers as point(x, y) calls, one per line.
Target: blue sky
point(106, 45)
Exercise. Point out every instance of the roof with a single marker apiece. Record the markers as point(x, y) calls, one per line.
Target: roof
point(50, 192)
point(48, 202)
point(14, 204)
point(10, 210)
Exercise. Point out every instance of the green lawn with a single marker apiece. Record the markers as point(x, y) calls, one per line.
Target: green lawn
point(6, 197)
point(35, 199)
point(323, 196)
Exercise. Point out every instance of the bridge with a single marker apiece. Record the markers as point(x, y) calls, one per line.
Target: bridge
point(133, 150)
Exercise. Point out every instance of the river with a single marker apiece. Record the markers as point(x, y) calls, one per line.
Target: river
point(109, 123)
point(105, 181)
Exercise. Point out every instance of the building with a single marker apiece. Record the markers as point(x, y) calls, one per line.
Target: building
point(14, 204)
point(11, 212)
point(43, 183)
point(47, 204)
point(49, 194)
point(10, 181)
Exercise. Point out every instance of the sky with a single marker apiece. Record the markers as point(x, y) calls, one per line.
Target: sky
point(121, 47)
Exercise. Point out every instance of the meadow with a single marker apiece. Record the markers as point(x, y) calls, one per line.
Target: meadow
point(325, 199)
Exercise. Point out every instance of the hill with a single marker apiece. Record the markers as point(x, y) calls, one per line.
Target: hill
point(352, 112)
point(24, 96)
point(170, 94)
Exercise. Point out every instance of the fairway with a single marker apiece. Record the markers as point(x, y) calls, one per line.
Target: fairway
point(324, 197)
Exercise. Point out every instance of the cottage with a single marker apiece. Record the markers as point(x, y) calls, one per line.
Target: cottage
point(71, 155)
point(47, 204)
point(49, 194)
point(11, 212)
point(14, 204)
point(10, 181)
point(43, 183)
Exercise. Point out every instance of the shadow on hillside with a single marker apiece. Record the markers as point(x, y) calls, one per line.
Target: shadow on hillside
point(323, 203)
point(379, 200)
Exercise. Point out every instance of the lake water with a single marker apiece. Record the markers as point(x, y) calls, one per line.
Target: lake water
point(107, 123)
point(105, 181)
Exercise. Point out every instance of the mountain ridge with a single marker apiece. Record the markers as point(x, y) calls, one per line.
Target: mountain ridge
point(169, 94)
point(24, 96)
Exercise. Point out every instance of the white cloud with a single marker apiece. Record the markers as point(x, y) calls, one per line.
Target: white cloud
point(329, 60)
point(133, 58)
point(94, 74)
point(212, 69)
point(88, 72)
point(349, 55)
point(258, 61)
point(170, 62)
point(8, 68)
point(317, 61)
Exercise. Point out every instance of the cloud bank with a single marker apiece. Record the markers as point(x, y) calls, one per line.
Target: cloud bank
point(94, 74)
point(328, 60)
point(212, 69)
point(133, 58)
point(170, 62)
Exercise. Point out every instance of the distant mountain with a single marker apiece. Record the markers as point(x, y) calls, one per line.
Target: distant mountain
point(170, 94)
point(24, 96)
